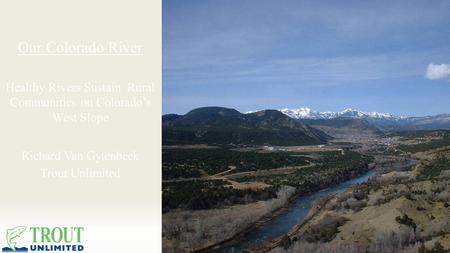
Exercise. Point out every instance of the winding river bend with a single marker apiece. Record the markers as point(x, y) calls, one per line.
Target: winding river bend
point(283, 223)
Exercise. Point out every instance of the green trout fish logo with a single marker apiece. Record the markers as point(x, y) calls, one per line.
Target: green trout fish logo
point(48, 239)
point(13, 234)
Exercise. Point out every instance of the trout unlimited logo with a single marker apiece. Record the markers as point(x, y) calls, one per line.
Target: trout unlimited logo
point(45, 239)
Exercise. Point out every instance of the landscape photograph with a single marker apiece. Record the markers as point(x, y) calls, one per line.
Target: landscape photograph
point(306, 126)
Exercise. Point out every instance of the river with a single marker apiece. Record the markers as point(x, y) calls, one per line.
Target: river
point(282, 224)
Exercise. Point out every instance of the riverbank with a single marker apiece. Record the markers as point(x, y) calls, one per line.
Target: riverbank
point(369, 217)
point(319, 193)
point(217, 230)
point(261, 233)
point(241, 226)
point(188, 231)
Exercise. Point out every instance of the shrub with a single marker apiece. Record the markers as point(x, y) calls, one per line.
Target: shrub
point(325, 230)
point(355, 204)
point(405, 220)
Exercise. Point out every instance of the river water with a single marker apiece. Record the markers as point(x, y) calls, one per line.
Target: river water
point(282, 224)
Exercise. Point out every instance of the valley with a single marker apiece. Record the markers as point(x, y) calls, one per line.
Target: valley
point(397, 210)
point(265, 181)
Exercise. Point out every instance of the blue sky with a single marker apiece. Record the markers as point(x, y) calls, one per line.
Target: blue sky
point(326, 55)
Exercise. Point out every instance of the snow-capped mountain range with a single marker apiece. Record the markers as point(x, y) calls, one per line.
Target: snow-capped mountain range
point(307, 113)
point(383, 121)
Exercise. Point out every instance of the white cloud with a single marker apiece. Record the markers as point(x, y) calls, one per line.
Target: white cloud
point(438, 71)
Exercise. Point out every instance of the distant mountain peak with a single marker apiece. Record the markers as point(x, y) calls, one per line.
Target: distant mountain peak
point(308, 113)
